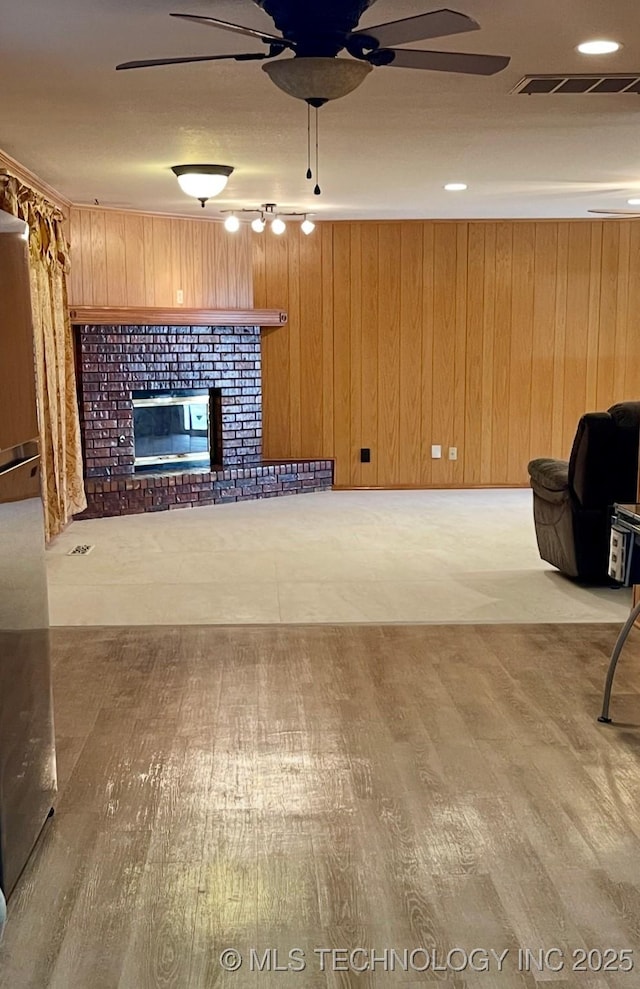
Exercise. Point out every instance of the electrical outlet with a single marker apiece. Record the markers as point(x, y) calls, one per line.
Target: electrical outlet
point(365, 455)
point(453, 453)
point(436, 452)
point(180, 296)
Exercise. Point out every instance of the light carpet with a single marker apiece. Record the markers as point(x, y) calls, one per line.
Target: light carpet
point(338, 556)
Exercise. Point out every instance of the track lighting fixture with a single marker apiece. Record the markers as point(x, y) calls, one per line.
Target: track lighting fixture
point(267, 213)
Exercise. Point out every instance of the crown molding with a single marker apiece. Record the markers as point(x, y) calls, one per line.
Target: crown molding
point(10, 166)
point(131, 211)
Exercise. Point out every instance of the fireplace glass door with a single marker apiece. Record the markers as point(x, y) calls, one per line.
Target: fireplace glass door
point(171, 428)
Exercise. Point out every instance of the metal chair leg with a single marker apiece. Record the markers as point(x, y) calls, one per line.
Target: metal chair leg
point(615, 656)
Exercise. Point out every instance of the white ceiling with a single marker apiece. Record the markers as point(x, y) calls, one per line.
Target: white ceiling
point(387, 149)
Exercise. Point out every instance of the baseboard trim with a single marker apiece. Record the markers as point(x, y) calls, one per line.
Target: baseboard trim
point(426, 487)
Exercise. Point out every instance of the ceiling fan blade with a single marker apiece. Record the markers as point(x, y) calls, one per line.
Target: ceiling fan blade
point(435, 24)
point(249, 32)
point(475, 65)
point(145, 63)
point(615, 212)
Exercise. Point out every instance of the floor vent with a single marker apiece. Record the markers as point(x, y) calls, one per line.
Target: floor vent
point(578, 84)
point(81, 550)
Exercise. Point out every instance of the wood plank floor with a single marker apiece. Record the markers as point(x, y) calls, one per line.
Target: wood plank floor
point(397, 787)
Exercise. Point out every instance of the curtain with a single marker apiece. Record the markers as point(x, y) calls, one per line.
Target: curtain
point(60, 444)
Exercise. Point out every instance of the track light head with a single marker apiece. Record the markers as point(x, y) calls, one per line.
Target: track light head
point(232, 223)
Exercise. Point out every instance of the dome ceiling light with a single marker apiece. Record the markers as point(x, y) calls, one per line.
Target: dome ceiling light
point(317, 80)
point(203, 182)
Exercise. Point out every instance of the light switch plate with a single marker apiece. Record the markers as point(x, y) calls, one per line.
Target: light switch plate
point(436, 452)
point(453, 453)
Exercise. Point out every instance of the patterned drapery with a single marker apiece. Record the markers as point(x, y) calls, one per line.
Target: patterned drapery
point(60, 446)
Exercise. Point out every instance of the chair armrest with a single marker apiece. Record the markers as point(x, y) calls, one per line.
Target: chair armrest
point(550, 474)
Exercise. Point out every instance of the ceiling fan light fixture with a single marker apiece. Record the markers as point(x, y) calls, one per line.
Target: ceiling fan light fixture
point(599, 46)
point(278, 226)
point(307, 226)
point(317, 80)
point(202, 181)
point(456, 187)
point(232, 223)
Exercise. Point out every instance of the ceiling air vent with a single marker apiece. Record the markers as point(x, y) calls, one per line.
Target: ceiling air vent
point(572, 84)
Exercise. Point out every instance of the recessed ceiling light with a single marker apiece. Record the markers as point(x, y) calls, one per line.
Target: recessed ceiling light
point(633, 202)
point(599, 47)
point(455, 186)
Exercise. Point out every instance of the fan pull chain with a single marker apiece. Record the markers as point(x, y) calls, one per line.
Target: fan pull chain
point(309, 172)
point(317, 190)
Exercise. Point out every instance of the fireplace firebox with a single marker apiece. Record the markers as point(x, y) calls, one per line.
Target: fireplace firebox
point(176, 428)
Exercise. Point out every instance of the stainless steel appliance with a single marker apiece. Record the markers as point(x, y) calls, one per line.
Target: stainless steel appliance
point(27, 752)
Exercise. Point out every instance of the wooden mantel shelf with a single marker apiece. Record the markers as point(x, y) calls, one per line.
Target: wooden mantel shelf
point(149, 316)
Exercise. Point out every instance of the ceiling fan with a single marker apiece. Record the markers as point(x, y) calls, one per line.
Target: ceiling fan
point(316, 31)
point(613, 213)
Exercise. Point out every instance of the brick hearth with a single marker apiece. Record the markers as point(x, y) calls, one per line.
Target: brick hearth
point(114, 361)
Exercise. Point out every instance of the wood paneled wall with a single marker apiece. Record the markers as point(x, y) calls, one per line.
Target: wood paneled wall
point(133, 259)
point(493, 337)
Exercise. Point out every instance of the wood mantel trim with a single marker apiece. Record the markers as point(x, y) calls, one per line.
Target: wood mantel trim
point(148, 316)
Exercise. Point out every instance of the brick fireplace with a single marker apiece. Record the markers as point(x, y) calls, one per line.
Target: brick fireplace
point(116, 361)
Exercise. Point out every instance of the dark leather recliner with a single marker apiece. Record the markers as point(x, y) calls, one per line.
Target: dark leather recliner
point(572, 500)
